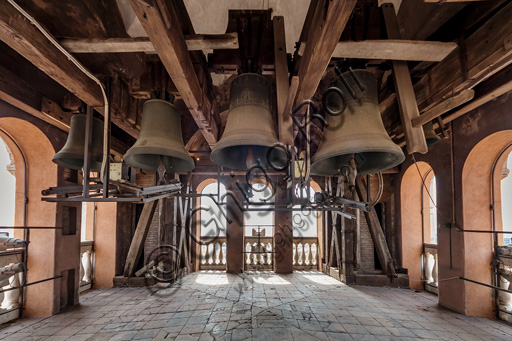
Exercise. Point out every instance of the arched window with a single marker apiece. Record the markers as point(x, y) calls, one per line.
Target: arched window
point(506, 202)
point(7, 184)
point(305, 221)
point(260, 215)
point(213, 216)
point(429, 208)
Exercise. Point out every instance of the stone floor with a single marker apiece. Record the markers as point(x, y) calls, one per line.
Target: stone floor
point(257, 306)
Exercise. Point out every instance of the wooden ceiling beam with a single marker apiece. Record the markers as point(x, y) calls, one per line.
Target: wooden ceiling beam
point(162, 27)
point(327, 25)
point(408, 50)
point(28, 41)
point(20, 94)
point(196, 42)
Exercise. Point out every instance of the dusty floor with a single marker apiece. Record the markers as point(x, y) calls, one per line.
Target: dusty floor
point(265, 306)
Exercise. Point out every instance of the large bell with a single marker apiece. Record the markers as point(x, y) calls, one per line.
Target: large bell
point(72, 154)
point(430, 134)
point(249, 137)
point(357, 131)
point(160, 137)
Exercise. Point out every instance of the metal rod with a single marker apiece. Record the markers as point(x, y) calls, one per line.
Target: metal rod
point(87, 151)
point(486, 285)
point(483, 231)
point(106, 143)
point(29, 284)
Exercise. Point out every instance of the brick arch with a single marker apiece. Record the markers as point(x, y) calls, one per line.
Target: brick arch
point(32, 149)
point(411, 192)
point(476, 197)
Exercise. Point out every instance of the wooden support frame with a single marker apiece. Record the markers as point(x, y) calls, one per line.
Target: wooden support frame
point(195, 42)
point(376, 232)
point(327, 25)
point(414, 136)
point(284, 118)
point(408, 50)
point(141, 233)
point(161, 25)
point(28, 41)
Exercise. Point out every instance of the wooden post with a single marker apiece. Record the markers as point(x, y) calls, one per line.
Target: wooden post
point(140, 236)
point(414, 136)
point(376, 231)
point(283, 236)
point(234, 230)
point(284, 119)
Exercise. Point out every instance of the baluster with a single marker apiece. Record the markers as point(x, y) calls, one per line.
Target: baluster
point(306, 253)
point(294, 253)
point(12, 297)
point(504, 298)
point(210, 253)
point(435, 273)
point(81, 267)
point(255, 254)
point(217, 253)
point(248, 254)
point(262, 255)
point(269, 254)
point(224, 253)
point(313, 253)
point(203, 253)
point(87, 265)
point(429, 266)
point(299, 252)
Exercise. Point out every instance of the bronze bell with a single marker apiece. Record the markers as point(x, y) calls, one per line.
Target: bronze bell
point(160, 136)
point(72, 154)
point(249, 137)
point(430, 134)
point(354, 129)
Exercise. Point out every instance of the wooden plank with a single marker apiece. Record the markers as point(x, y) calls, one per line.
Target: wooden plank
point(379, 240)
point(284, 118)
point(139, 237)
point(443, 107)
point(196, 42)
point(160, 23)
point(327, 25)
point(414, 136)
point(413, 50)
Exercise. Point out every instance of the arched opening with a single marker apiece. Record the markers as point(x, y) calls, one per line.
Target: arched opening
point(259, 226)
point(32, 153)
point(418, 197)
point(211, 225)
point(8, 186)
point(481, 177)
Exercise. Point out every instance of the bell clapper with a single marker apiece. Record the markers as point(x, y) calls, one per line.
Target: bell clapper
point(249, 160)
point(161, 171)
point(352, 173)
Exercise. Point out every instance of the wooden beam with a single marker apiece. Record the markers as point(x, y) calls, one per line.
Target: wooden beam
point(161, 24)
point(379, 240)
point(139, 237)
point(196, 42)
point(284, 118)
point(327, 25)
point(413, 50)
point(27, 40)
point(443, 107)
point(499, 85)
point(414, 136)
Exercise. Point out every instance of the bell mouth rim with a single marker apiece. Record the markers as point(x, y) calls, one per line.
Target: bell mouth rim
point(158, 151)
point(397, 160)
point(217, 153)
point(94, 167)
